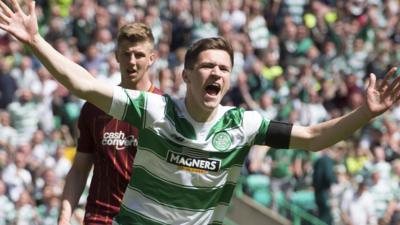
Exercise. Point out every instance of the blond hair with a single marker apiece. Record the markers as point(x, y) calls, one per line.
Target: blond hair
point(135, 32)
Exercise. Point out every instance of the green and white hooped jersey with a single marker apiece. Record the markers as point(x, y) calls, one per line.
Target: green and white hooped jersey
point(184, 172)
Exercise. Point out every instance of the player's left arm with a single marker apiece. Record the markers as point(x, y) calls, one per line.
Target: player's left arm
point(322, 135)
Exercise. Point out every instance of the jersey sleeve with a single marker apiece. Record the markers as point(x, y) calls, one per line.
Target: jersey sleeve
point(262, 131)
point(86, 143)
point(255, 127)
point(129, 106)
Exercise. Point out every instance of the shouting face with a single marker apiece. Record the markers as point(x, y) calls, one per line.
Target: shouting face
point(207, 82)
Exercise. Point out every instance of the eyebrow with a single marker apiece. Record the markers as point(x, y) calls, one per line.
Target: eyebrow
point(214, 64)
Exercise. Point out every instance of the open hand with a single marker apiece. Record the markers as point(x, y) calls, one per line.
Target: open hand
point(382, 98)
point(14, 21)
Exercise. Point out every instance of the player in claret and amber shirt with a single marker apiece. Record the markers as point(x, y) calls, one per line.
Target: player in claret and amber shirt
point(106, 143)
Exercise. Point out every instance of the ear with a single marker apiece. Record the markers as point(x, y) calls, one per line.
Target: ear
point(152, 58)
point(185, 76)
point(116, 55)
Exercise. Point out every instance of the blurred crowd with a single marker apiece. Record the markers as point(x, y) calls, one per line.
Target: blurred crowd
point(300, 61)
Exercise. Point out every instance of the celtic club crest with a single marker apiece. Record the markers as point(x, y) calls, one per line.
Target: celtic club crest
point(222, 141)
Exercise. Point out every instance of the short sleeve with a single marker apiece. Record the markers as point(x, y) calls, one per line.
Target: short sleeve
point(261, 131)
point(128, 105)
point(119, 103)
point(255, 127)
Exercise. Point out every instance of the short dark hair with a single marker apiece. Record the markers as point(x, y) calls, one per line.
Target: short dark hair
point(135, 32)
point(205, 44)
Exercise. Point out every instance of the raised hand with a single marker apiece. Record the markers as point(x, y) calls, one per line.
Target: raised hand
point(382, 98)
point(14, 21)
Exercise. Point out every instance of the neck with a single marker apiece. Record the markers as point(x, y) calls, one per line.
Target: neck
point(197, 113)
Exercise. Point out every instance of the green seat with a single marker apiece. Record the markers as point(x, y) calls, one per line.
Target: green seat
point(263, 197)
point(72, 110)
point(256, 182)
point(258, 186)
point(304, 199)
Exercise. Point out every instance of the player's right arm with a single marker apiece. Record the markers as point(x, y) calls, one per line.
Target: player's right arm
point(74, 184)
point(78, 80)
point(76, 178)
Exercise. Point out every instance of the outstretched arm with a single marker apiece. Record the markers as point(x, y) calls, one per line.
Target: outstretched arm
point(74, 186)
point(78, 80)
point(377, 101)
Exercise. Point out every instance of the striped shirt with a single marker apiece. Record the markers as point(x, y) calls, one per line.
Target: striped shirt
point(184, 172)
point(113, 145)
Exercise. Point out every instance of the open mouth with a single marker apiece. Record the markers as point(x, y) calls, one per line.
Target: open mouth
point(213, 89)
point(131, 70)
